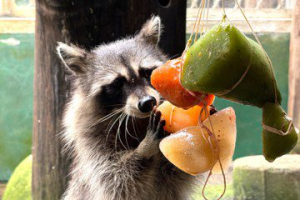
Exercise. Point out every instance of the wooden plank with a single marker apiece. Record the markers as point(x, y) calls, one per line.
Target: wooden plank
point(279, 20)
point(294, 71)
point(86, 23)
point(266, 13)
point(10, 9)
point(6, 7)
point(17, 25)
point(24, 11)
point(259, 26)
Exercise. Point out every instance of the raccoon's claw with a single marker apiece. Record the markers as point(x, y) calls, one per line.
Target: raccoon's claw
point(160, 129)
point(150, 145)
point(156, 124)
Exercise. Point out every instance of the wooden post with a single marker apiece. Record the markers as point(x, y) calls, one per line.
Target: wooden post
point(250, 3)
point(86, 23)
point(6, 7)
point(294, 71)
point(265, 4)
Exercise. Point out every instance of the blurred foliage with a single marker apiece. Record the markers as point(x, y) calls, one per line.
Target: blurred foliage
point(214, 192)
point(16, 97)
point(22, 2)
point(19, 186)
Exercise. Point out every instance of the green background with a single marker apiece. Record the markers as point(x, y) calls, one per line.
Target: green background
point(16, 101)
point(16, 98)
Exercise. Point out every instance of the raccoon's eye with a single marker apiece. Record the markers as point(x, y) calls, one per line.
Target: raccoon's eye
point(146, 73)
point(119, 82)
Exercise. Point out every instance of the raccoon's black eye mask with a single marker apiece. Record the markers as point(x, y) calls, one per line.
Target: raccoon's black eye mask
point(146, 73)
point(115, 86)
point(112, 94)
point(118, 82)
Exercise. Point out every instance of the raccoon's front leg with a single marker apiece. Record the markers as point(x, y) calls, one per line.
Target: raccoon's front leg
point(155, 132)
point(133, 174)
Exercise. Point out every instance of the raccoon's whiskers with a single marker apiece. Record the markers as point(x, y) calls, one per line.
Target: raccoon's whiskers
point(127, 131)
point(110, 128)
point(106, 117)
point(119, 132)
point(118, 136)
point(122, 112)
point(122, 104)
point(134, 130)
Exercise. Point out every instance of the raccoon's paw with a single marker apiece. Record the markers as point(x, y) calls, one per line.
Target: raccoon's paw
point(156, 124)
point(155, 132)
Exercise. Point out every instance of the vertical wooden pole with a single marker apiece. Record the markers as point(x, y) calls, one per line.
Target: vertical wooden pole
point(265, 4)
point(250, 3)
point(86, 23)
point(294, 70)
point(6, 7)
point(49, 166)
point(1, 6)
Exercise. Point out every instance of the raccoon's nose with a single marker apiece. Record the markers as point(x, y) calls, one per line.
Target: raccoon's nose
point(146, 104)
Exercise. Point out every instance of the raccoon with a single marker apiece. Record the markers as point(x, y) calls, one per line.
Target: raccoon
point(110, 128)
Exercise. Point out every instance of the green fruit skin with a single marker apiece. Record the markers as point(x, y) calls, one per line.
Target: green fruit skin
point(217, 61)
point(275, 145)
point(19, 185)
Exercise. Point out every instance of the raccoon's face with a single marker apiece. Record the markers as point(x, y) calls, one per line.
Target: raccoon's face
point(117, 75)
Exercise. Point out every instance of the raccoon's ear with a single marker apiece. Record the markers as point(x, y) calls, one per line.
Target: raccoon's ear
point(151, 31)
point(73, 57)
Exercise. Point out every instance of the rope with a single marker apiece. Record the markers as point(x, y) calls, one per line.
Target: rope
point(217, 154)
point(207, 14)
point(269, 61)
point(277, 131)
point(238, 82)
point(211, 134)
point(199, 21)
point(223, 7)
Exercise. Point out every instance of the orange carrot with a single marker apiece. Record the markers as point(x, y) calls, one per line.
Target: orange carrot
point(178, 118)
point(166, 80)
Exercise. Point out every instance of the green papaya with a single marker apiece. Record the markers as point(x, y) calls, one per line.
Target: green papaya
point(226, 63)
point(218, 61)
point(285, 138)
